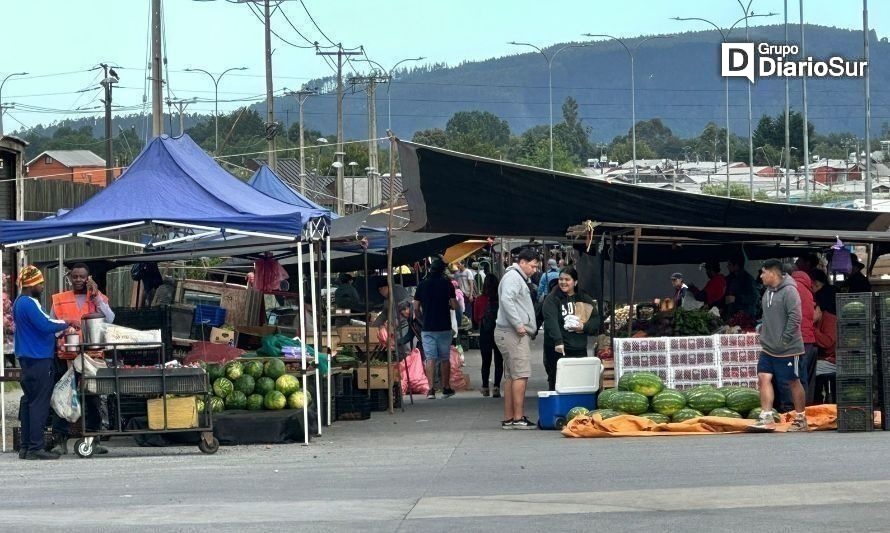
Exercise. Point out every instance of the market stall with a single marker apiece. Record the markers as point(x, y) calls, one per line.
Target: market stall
point(174, 193)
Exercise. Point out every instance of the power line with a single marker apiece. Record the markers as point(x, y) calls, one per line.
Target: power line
point(323, 34)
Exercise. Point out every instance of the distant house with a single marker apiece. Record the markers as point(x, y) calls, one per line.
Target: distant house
point(79, 166)
point(831, 171)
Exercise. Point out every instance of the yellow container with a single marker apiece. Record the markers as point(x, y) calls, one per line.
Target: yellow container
point(182, 413)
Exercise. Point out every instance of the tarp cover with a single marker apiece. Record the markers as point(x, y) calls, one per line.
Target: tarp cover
point(174, 180)
point(269, 183)
point(456, 193)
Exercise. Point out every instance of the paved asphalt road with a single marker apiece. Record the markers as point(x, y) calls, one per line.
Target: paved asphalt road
point(445, 465)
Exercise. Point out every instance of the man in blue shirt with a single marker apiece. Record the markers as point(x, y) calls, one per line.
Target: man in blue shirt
point(552, 274)
point(35, 347)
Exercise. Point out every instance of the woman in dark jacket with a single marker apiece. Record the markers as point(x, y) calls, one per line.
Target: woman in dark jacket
point(487, 303)
point(562, 339)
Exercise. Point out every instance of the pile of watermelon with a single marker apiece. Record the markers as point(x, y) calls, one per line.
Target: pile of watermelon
point(254, 385)
point(643, 394)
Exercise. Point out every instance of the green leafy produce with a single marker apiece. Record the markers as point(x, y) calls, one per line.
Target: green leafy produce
point(222, 387)
point(695, 322)
point(274, 401)
point(685, 414)
point(604, 399)
point(287, 384)
point(234, 370)
point(657, 417)
point(254, 369)
point(576, 411)
point(274, 368)
point(668, 402)
point(245, 384)
point(255, 402)
point(724, 412)
point(632, 403)
point(236, 400)
point(264, 385)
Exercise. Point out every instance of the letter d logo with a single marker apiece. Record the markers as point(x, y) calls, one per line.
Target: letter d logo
point(737, 60)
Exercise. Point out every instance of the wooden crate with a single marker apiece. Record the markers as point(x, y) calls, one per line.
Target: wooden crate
point(608, 375)
point(182, 413)
point(379, 379)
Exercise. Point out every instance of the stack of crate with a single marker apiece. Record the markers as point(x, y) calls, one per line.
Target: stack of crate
point(884, 334)
point(855, 353)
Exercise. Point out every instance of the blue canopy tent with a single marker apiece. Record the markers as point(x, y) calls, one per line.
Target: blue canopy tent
point(175, 193)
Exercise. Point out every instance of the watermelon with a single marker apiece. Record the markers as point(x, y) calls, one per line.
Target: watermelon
point(222, 387)
point(201, 406)
point(724, 412)
point(604, 413)
point(254, 369)
point(297, 400)
point(625, 381)
point(855, 309)
point(236, 400)
point(255, 402)
point(274, 368)
point(658, 418)
point(245, 384)
point(214, 372)
point(668, 402)
point(729, 388)
point(274, 401)
point(604, 400)
point(632, 403)
point(234, 370)
point(685, 414)
point(576, 411)
point(264, 385)
point(698, 389)
point(287, 384)
point(755, 414)
point(706, 400)
point(646, 383)
point(217, 404)
point(743, 400)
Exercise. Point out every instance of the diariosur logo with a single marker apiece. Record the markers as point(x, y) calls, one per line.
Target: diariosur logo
point(745, 60)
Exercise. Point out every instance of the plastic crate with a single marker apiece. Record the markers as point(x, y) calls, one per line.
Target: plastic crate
point(854, 363)
point(855, 418)
point(883, 304)
point(852, 391)
point(682, 378)
point(147, 318)
point(380, 399)
point(181, 319)
point(854, 335)
point(352, 407)
point(140, 381)
point(861, 313)
point(209, 315)
point(140, 357)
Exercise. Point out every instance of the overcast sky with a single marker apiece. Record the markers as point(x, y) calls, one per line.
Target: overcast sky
point(58, 41)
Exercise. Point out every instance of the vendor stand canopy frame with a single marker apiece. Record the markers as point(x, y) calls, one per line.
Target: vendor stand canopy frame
point(179, 193)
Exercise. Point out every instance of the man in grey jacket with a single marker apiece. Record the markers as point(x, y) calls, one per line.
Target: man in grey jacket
point(514, 328)
point(782, 344)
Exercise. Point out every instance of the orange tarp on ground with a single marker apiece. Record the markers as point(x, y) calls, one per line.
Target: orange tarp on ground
point(819, 418)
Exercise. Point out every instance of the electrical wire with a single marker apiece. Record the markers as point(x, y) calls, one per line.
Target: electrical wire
point(323, 34)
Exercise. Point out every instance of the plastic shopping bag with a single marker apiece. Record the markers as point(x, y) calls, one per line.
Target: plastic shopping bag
point(64, 400)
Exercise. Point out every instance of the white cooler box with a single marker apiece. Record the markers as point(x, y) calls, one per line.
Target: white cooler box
point(578, 375)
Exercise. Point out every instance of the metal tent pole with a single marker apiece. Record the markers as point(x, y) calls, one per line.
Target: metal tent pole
point(367, 321)
point(302, 337)
point(2, 364)
point(327, 306)
point(315, 344)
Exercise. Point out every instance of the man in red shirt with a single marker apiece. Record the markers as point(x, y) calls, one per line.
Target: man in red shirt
point(826, 340)
point(714, 292)
point(807, 330)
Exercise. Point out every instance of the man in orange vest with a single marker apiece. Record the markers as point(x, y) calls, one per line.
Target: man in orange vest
point(83, 298)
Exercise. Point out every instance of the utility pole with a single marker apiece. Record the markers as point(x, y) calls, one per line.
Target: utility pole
point(271, 125)
point(107, 82)
point(375, 188)
point(157, 76)
point(180, 106)
point(787, 124)
point(806, 129)
point(341, 201)
point(868, 183)
point(302, 95)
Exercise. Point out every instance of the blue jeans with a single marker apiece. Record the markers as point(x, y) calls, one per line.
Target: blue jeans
point(38, 378)
point(436, 346)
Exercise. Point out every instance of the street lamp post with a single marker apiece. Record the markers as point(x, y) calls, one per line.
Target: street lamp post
point(216, 80)
point(320, 141)
point(2, 108)
point(549, 60)
point(633, 104)
point(724, 36)
point(389, 77)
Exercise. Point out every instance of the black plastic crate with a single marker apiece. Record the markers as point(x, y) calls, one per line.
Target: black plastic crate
point(848, 310)
point(854, 390)
point(855, 418)
point(352, 407)
point(147, 318)
point(380, 398)
point(884, 331)
point(854, 335)
point(148, 381)
point(140, 357)
point(854, 363)
point(883, 304)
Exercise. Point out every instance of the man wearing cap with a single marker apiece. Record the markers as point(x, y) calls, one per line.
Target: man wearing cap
point(683, 298)
point(552, 274)
point(35, 347)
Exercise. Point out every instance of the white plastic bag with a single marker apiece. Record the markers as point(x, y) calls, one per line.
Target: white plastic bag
point(64, 401)
point(89, 369)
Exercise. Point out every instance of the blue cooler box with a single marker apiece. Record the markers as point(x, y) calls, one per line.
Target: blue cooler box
point(553, 406)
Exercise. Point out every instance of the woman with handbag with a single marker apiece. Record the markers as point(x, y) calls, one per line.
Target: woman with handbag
point(486, 307)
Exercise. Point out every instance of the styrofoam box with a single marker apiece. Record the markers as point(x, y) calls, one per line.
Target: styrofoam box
point(578, 374)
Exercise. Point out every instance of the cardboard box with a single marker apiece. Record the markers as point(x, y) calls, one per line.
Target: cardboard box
point(379, 378)
point(353, 334)
point(222, 336)
point(182, 413)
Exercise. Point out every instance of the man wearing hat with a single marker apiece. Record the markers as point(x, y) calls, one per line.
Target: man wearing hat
point(35, 347)
point(682, 296)
point(551, 275)
point(857, 282)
